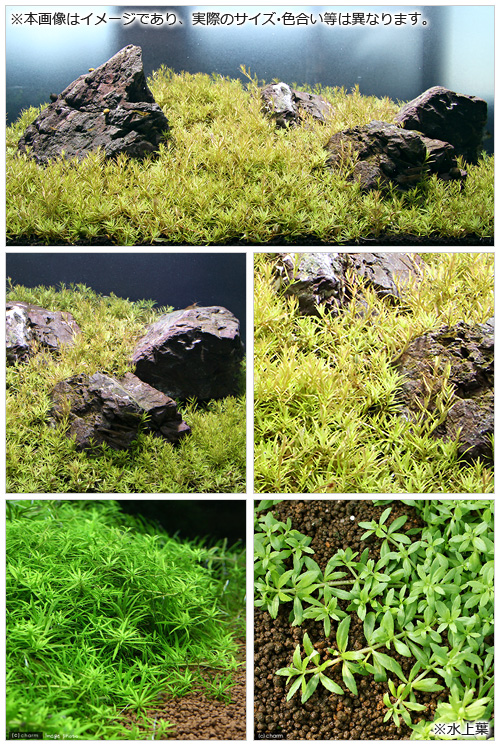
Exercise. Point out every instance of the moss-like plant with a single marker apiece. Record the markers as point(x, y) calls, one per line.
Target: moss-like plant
point(225, 174)
point(326, 395)
point(40, 458)
point(429, 596)
point(105, 612)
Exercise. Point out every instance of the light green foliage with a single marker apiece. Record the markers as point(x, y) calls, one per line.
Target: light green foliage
point(425, 583)
point(226, 172)
point(326, 395)
point(104, 613)
point(40, 458)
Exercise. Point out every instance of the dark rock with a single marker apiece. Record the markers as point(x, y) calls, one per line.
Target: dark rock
point(442, 159)
point(314, 278)
point(288, 107)
point(469, 353)
point(445, 115)
point(29, 327)
point(378, 155)
point(386, 272)
point(110, 108)
point(102, 409)
point(195, 352)
point(322, 278)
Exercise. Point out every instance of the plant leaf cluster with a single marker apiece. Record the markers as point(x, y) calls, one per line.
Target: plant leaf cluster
point(41, 459)
point(327, 412)
point(429, 596)
point(105, 613)
point(231, 176)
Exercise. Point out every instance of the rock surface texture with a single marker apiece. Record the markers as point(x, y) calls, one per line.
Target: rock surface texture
point(380, 154)
point(445, 115)
point(469, 351)
point(29, 326)
point(195, 352)
point(110, 108)
point(288, 107)
point(102, 409)
point(322, 278)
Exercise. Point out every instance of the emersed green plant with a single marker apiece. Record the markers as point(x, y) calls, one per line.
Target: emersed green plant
point(428, 597)
point(327, 411)
point(104, 613)
point(41, 459)
point(232, 176)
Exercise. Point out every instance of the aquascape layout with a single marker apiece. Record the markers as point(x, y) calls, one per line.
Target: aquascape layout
point(204, 160)
point(374, 372)
point(109, 395)
point(374, 619)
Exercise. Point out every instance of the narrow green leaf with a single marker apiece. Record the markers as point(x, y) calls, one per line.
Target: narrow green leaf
point(294, 687)
point(427, 685)
point(298, 611)
point(401, 648)
point(395, 525)
point(388, 663)
point(384, 516)
point(297, 660)
point(307, 644)
point(273, 607)
point(330, 685)
point(310, 688)
point(349, 679)
point(368, 625)
point(343, 634)
point(388, 624)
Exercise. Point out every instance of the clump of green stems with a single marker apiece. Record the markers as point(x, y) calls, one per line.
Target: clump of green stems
point(232, 175)
point(41, 459)
point(105, 613)
point(427, 583)
point(327, 411)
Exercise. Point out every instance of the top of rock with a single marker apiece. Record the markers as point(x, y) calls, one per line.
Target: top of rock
point(120, 78)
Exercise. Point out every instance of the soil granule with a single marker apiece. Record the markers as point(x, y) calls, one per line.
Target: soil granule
point(197, 717)
point(333, 525)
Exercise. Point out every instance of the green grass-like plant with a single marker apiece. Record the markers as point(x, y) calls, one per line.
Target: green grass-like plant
point(326, 395)
point(225, 173)
point(40, 458)
point(106, 612)
point(429, 595)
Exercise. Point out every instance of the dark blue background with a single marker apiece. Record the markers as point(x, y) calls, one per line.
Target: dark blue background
point(171, 279)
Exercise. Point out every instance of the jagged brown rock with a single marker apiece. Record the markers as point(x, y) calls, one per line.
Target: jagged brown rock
point(442, 114)
point(287, 107)
point(379, 155)
point(110, 108)
point(195, 352)
point(102, 409)
point(322, 278)
point(29, 327)
point(469, 353)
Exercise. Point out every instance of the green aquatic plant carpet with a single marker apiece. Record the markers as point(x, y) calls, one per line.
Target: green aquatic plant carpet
point(227, 175)
point(105, 613)
point(41, 459)
point(327, 398)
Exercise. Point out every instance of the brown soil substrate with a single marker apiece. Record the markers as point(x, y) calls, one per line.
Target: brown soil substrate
point(327, 716)
point(404, 239)
point(197, 717)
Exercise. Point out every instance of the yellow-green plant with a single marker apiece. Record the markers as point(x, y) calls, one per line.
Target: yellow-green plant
point(327, 409)
point(226, 174)
point(40, 458)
